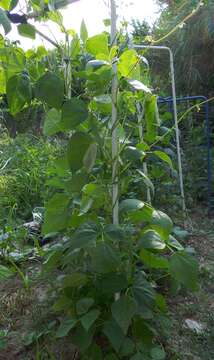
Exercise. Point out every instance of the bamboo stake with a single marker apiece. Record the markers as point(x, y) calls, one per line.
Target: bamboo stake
point(115, 188)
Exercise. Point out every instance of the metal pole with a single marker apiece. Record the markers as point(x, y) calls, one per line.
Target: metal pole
point(180, 171)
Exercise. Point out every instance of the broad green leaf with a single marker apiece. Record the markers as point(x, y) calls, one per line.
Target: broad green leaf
point(150, 239)
point(128, 65)
point(53, 259)
point(5, 22)
point(52, 124)
point(144, 214)
point(27, 30)
point(127, 348)
point(104, 259)
point(112, 283)
point(82, 338)
point(153, 261)
point(103, 104)
point(75, 47)
point(143, 293)
point(77, 147)
point(18, 92)
point(114, 232)
point(56, 213)
point(65, 327)
point(50, 89)
point(76, 279)
point(131, 205)
point(83, 32)
point(174, 243)
point(74, 112)
point(138, 356)
point(111, 357)
point(131, 153)
point(83, 305)
point(62, 304)
point(90, 157)
point(77, 182)
point(2, 81)
point(162, 221)
point(5, 272)
point(123, 311)
point(158, 353)
point(95, 352)
point(114, 334)
point(98, 44)
point(150, 118)
point(184, 269)
point(89, 319)
point(83, 237)
point(164, 157)
point(5, 4)
point(146, 181)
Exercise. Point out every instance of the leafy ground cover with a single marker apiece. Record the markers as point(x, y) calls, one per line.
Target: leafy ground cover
point(27, 320)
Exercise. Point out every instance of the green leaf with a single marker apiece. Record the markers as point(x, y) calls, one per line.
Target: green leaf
point(5, 22)
point(62, 304)
point(114, 334)
point(83, 32)
point(127, 348)
point(164, 157)
point(75, 280)
point(147, 181)
point(75, 47)
point(158, 353)
point(82, 338)
point(174, 243)
point(104, 259)
point(153, 261)
point(77, 147)
point(53, 259)
point(131, 153)
point(112, 283)
point(143, 293)
point(150, 239)
point(74, 112)
point(90, 157)
point(5, 272)
point(131, 205)
point(111, 357)
point(83, 237)
point(184, 269)
point(27, 30)
point(56, 213)
point(89, 319)
point(123, 311)
point(83, 305)
point(162, 221)
point(128, 65)
point(50, 89)
point(65, 327)
point(19, 92)
point(97, 45)
point(52, 123)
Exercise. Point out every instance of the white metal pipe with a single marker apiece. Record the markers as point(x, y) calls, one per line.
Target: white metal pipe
point(172, 73)
point(115, 186)
point(140, 115)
